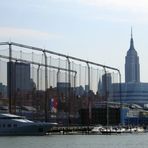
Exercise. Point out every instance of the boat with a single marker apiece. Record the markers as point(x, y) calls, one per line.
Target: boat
point(137, 129)
point(97, 129)
point(109, 130)
point(120, 130)
point(140, 129)
point(15, 125)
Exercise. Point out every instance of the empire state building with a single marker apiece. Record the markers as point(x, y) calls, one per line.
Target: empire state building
point(132, 67)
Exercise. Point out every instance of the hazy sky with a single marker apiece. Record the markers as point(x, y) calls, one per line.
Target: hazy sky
point(96, 30)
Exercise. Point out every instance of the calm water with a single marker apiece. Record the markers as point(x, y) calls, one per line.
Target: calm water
point(77, 141)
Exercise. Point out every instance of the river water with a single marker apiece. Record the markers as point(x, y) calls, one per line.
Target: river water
point(76, 141)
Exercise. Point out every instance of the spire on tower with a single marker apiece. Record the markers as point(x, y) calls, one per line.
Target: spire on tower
point(132, 66)
point(131, 32)
point(132, 41)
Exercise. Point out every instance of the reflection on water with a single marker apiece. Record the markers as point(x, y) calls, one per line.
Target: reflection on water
point(76, 141)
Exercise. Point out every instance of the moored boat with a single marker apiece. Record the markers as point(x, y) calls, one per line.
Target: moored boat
point(111, 130)
point(16, 125)
point(120, 130)
point(97, 129)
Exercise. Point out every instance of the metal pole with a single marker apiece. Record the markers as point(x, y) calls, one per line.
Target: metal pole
point(46, 86)
point(58, 75)
point(74, 90)
point(10, 89)
point(38, 77)
point(68, 76)
point(88, 94)
point(106, 97)
point(46, 73)
point(75, 80)
point(58, 72)
point(69, 90)
point(120, 91)
point(58, 54)
point(35, 63)
point(88, 76)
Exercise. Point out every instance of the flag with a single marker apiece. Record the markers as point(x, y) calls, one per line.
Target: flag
point(54, 105)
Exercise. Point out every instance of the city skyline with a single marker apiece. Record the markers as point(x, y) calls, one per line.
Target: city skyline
point(87, 29)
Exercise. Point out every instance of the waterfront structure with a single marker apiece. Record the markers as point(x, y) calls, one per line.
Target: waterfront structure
point(99, 116)
point(131, 93)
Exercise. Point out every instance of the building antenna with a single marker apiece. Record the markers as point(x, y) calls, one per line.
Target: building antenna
point(131, 32)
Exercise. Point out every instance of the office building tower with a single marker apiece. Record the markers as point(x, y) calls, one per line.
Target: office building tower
point(18, 76)
point(132, 67)
point(106, 83)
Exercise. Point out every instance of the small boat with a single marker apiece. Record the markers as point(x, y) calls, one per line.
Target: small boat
point(120, 130)
point(17, 125)
point(112, 130)
point(135, 130)
point(97, 129)
point(140, 129)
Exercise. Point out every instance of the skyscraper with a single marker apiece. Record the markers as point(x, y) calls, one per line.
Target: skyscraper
point(132, 91)
point(106, 83)
point(19, 77)
point(132, 67)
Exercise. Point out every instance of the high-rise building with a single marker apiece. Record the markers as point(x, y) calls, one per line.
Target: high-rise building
point(132, 67)
point(132, 91)
point(106, 84)
point(3, 90)
point(19, 76)
point(22, 72)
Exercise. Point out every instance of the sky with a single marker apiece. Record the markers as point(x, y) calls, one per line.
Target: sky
point(95, 30)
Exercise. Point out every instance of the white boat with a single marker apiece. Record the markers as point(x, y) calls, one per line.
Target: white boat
point(97, 129)
point(140, 129)
point(119, 130)
point(135, 130)
point(16, 125)
point(113, 130)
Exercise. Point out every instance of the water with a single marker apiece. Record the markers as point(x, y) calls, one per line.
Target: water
point(76, 141)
